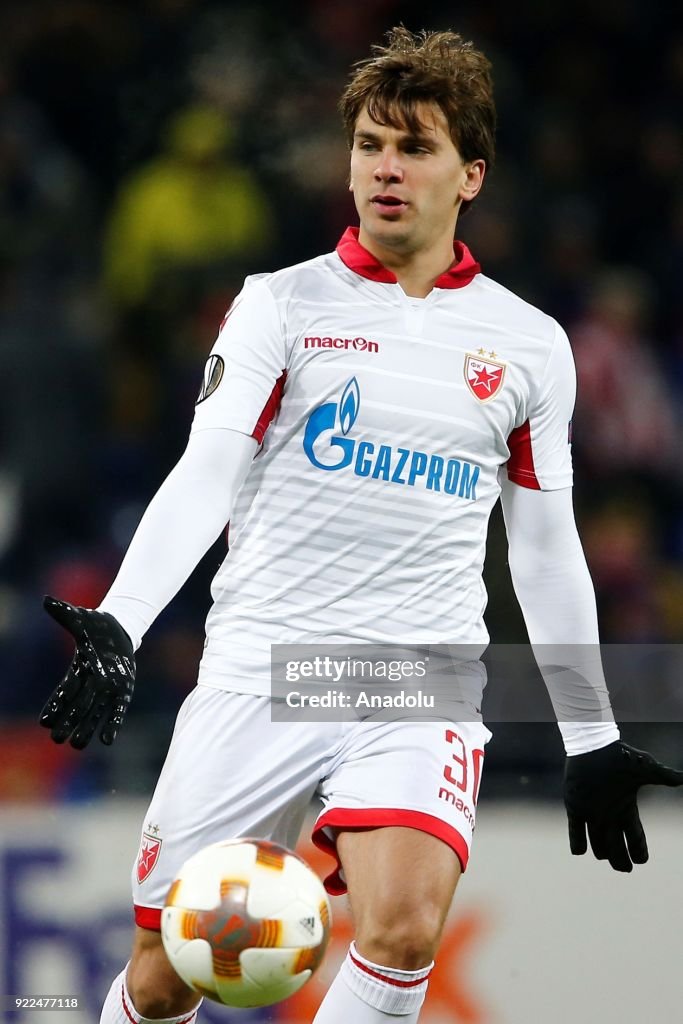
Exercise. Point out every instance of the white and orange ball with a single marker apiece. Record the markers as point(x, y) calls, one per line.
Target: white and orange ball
point(246, 922)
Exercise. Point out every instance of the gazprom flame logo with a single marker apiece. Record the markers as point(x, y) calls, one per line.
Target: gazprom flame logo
point(349, 406)
point(326, 435)
point(329, 417)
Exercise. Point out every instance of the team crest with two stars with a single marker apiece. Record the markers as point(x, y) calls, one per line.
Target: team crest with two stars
point(484, 374)
point(150, 848)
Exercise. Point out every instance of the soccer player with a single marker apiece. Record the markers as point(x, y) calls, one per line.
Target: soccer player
point(359, 417)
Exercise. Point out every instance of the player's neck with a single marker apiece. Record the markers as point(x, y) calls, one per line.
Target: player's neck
point(416, 271)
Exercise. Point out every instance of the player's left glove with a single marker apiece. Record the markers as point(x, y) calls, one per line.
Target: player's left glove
point(600, 791)
point(98, 685)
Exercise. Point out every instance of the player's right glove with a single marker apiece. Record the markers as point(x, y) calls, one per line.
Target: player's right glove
point(600, 791)
point(98, 685)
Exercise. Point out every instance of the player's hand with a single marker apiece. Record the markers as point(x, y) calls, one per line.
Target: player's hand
point(600, 791)
point(98, 685)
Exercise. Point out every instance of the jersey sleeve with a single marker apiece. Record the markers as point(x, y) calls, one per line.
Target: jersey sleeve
point(540, 448)
point(245, 372)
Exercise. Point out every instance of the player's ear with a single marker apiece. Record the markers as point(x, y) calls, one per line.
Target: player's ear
point(473, 179)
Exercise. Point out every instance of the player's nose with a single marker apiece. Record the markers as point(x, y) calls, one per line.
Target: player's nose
point(388, 166)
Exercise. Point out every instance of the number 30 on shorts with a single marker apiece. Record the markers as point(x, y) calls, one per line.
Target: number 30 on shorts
point(456, 771)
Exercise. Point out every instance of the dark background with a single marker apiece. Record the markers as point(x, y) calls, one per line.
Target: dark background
point(153, 153)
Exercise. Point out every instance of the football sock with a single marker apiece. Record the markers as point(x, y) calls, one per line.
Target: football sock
point(118, 1007)
point(367, 993)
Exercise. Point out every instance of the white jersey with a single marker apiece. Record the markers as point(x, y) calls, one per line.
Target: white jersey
point(384, 422)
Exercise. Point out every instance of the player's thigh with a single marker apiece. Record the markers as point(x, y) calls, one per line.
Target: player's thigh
point(400, 882)
point(230, 771)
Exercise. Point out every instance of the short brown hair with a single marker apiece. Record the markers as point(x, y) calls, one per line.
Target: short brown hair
point(428, 67)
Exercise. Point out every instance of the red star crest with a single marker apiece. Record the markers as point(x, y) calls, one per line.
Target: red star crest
point(150, 847)
point(484, 375)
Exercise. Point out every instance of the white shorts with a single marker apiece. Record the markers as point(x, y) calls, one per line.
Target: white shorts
point(231, 771)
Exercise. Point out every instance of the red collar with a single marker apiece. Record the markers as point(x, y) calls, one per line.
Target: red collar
point(362, 262)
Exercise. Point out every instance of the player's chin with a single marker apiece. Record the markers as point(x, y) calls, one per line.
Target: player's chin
point(386, 231)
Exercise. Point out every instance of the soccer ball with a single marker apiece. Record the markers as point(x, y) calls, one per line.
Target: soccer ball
point(246, 922)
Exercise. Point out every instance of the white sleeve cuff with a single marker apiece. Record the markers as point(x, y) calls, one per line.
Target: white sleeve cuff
point(582, 737)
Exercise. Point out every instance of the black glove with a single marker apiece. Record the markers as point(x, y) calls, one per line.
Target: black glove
point(600, 790)
point(98, 685)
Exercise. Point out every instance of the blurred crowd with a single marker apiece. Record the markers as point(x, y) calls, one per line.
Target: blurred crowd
point(153, 153)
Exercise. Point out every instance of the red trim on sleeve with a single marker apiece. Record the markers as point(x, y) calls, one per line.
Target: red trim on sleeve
point(352, 820)
point(270, 408)
point(148, 917)
point(520, 465)
point(383, 977)
point(357, 258)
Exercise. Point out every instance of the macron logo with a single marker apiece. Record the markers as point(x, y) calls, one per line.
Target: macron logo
point(355, 344)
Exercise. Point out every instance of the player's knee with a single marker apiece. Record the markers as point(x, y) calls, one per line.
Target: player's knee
point(154, 988)
point(406, 940)
point(155, 998)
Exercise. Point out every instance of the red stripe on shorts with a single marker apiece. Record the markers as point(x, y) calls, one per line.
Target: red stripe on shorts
point(148, 917)
point(352, 819)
